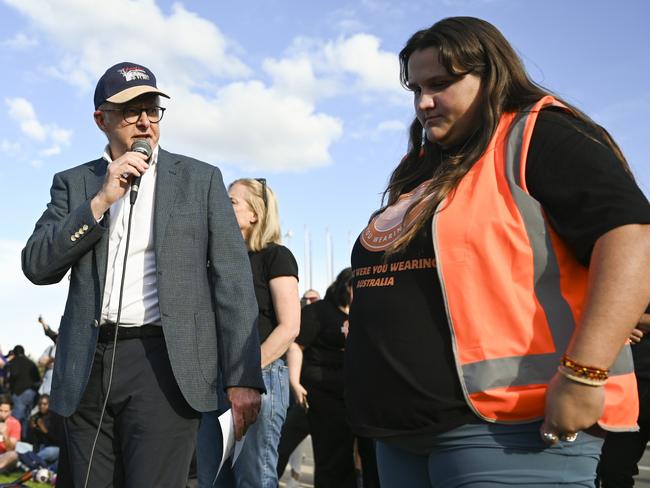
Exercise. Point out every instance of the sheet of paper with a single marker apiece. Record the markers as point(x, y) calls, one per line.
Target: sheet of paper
point(230, 446)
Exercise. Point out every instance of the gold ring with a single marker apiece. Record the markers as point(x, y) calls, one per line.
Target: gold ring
point(570, 437)
point(550, 437)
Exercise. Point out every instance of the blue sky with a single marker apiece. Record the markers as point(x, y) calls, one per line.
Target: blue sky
point(305, 94)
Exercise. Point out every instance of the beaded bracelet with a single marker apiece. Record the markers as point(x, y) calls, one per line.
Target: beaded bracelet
point(582, 371)
point(568, 373)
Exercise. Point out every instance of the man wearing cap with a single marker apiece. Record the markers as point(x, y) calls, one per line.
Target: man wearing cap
point(187, 293)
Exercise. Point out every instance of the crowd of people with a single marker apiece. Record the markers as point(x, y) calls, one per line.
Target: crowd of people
point(483, 336)
point(30, 434)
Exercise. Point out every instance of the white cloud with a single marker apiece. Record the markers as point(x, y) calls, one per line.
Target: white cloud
point(243, 121)
point(20, 42)
point(255, 127)
point(296, 76)
point(51, 151)
point(10, 147)
point(360, 55)
point(246, 122)
point(22, 111)
point(354, 64)
point(178, 46)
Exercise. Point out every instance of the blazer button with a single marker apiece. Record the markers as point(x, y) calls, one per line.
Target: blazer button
point(77, 235)
point(81, 232)
point(85, 227)
point(96, 323)
point(73, 238)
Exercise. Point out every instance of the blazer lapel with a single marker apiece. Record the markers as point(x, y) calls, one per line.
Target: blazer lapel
point(166, 188)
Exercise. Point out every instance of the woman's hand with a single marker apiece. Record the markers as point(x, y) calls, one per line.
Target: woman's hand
point(636, 335)
point(570, 408)
point(300, 395)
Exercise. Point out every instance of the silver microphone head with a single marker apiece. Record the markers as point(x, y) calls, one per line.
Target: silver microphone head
point(142, 146)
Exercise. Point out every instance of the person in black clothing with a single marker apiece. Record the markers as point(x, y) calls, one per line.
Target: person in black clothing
point(41, 432)
point(24, 380)
point(316, 377)
point(487, 288)
point(622, 451)
point(296, 426)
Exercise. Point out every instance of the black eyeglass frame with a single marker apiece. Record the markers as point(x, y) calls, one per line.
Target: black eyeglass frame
point(145, 109)
point(262, 181)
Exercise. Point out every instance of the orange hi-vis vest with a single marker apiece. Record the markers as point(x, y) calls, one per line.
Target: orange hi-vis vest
point(514, 293)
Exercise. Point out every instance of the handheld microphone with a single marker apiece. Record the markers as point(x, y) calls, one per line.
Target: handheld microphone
point(143, 147)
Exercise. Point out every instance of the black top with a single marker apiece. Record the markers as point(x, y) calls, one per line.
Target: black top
point(324, 344)
point(271, 262)
point(23, 374)
point(401, 378)
point(38, 437)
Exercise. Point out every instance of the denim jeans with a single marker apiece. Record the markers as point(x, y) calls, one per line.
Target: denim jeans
point(49, 454)
point(257, 463)
point(490, 455)
point(22, 407)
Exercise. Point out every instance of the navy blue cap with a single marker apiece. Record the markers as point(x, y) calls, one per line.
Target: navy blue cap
point(124, 82)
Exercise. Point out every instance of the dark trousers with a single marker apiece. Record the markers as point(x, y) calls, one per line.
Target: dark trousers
point(294, 430)
point(148, 432)
point(366, 448)
point(623, 450)
point(332, 441)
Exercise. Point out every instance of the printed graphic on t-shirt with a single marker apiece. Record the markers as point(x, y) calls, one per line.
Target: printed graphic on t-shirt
point(374, 272)
point(381, 232)
point(386, 227)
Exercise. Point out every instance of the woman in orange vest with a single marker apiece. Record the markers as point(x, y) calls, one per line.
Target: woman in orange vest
point(495, 289)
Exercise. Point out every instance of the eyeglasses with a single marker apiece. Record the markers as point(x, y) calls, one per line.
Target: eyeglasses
point(131, 114)
point(262, 181)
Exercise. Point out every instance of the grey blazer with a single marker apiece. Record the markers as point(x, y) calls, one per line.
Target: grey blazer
point(205, 287)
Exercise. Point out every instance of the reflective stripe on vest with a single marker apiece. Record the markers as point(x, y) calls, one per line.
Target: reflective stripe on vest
point(500, 385)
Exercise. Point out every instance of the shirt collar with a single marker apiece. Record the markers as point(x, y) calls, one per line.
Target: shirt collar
point(152, 160)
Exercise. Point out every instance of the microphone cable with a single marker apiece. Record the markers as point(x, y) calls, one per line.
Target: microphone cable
point(143, 147)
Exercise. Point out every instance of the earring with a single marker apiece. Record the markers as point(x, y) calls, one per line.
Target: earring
point(424, 139)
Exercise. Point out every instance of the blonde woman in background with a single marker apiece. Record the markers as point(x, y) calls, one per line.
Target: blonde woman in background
point(275, 277)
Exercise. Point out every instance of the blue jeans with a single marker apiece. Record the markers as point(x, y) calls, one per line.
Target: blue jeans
point(256, 466)
point(491, 455)
point(22, 407)
point(49, 454)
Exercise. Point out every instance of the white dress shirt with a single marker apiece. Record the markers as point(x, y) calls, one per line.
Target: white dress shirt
point(140, 297)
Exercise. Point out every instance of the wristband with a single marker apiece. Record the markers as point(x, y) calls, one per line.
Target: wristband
point(582, 371)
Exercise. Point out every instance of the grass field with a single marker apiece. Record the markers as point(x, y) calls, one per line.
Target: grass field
point(6, 478)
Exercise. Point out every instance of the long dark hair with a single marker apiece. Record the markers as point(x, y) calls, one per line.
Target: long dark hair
point(466, 45)
point(338, 293)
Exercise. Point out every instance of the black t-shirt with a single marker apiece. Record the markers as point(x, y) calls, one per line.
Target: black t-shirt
point(401, 378)
point(36, 436)
point(23, 374)
point(271, 262)
point(323, 345)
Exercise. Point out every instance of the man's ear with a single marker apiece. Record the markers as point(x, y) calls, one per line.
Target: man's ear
point(98, 115)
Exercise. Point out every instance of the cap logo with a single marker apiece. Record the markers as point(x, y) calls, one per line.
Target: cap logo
point(133, 73)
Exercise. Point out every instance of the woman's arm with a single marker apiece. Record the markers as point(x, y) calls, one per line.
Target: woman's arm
point(286, 303)
point(294, 362)
point(618, 293)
